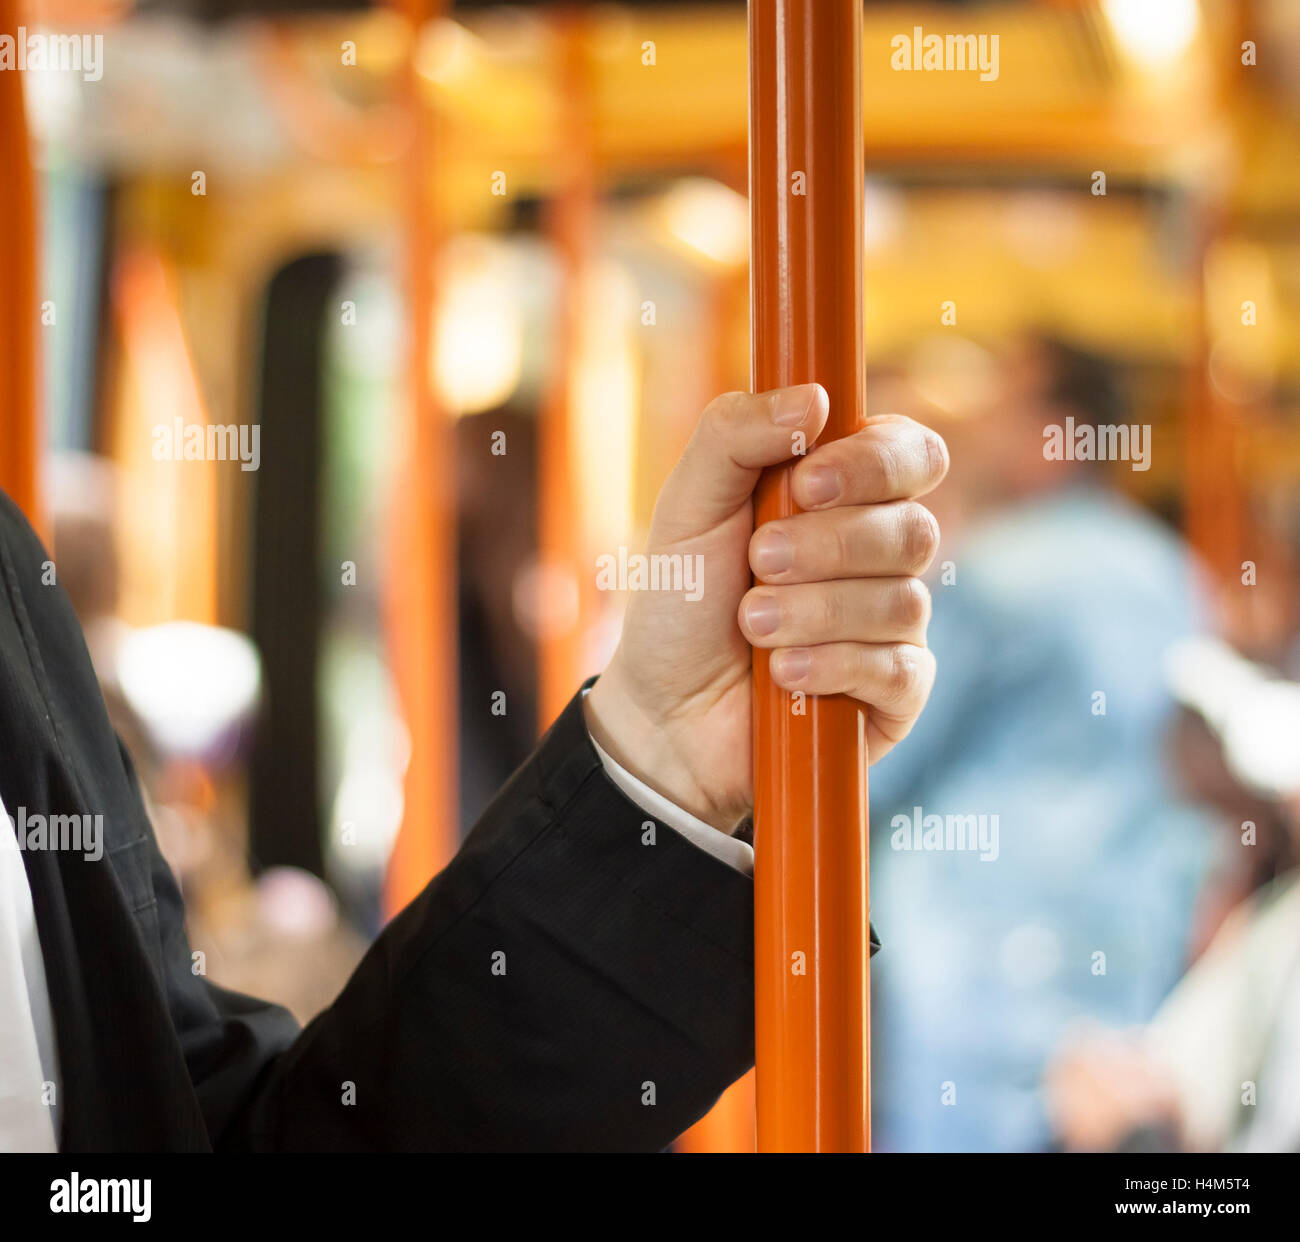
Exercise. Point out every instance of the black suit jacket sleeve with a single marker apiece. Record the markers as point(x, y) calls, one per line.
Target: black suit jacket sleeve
point(577, 978)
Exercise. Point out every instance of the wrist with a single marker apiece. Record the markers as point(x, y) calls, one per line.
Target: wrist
point(644, 745)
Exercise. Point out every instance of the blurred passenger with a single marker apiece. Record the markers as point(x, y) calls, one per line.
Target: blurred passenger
point(280, 936)
point(497, 542)
point(1050, 618)
point(83, 505)
point(1218, 1068)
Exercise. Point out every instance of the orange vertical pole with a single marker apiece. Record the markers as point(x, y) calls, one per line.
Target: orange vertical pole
point(19, 352)
point(810, 758)
point(421, 595)
point(729, 1126)
point(1217, 521)
point(1215, 506)
point(570, 223)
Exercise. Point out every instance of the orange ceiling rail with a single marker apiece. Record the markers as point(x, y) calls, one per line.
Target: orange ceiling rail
point(20, 360)
point(420, 603)
point(811, 931)
point(321, 121)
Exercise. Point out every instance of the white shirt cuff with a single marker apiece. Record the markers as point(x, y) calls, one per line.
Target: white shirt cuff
point(726, 849)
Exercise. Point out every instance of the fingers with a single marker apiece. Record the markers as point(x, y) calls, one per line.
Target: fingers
point(738, 434)
point(838, 602)
point(861, 541)
point(861, 610)
point(892, 458)
point(893, 679)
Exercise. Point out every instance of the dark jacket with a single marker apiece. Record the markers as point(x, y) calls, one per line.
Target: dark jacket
point(625, 1008)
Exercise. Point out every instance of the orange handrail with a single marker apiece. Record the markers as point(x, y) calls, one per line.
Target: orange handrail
point(810, 760)
point(19, 364)
point(727, 1127)
point(421, 593)
point(570, 225)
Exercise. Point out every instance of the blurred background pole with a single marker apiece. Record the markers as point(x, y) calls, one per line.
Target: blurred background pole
point(570, 224)
point(729, 1126)
point(19, 310)
point(810, 758)
point(1216, 512)
point(421, 592)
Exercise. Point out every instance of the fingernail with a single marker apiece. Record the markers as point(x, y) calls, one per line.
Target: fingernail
point(792, 404)
point(762, 615)
point(821, 485)
point(792, 664)
point(773, 553)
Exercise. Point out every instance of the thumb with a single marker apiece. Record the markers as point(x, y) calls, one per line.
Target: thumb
point(738, 434)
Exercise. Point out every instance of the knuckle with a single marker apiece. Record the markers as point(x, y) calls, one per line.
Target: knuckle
point(920, 536)
point(725, 411)
point(912, 607)
point(936, 454)
point(831, 610)
point(902, 674)
point(840, 547)
point(887, 468)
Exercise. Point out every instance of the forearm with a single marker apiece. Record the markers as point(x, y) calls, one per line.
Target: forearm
point(580, 977)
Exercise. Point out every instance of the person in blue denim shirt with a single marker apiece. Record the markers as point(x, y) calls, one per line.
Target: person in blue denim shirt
point(1030, 856)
